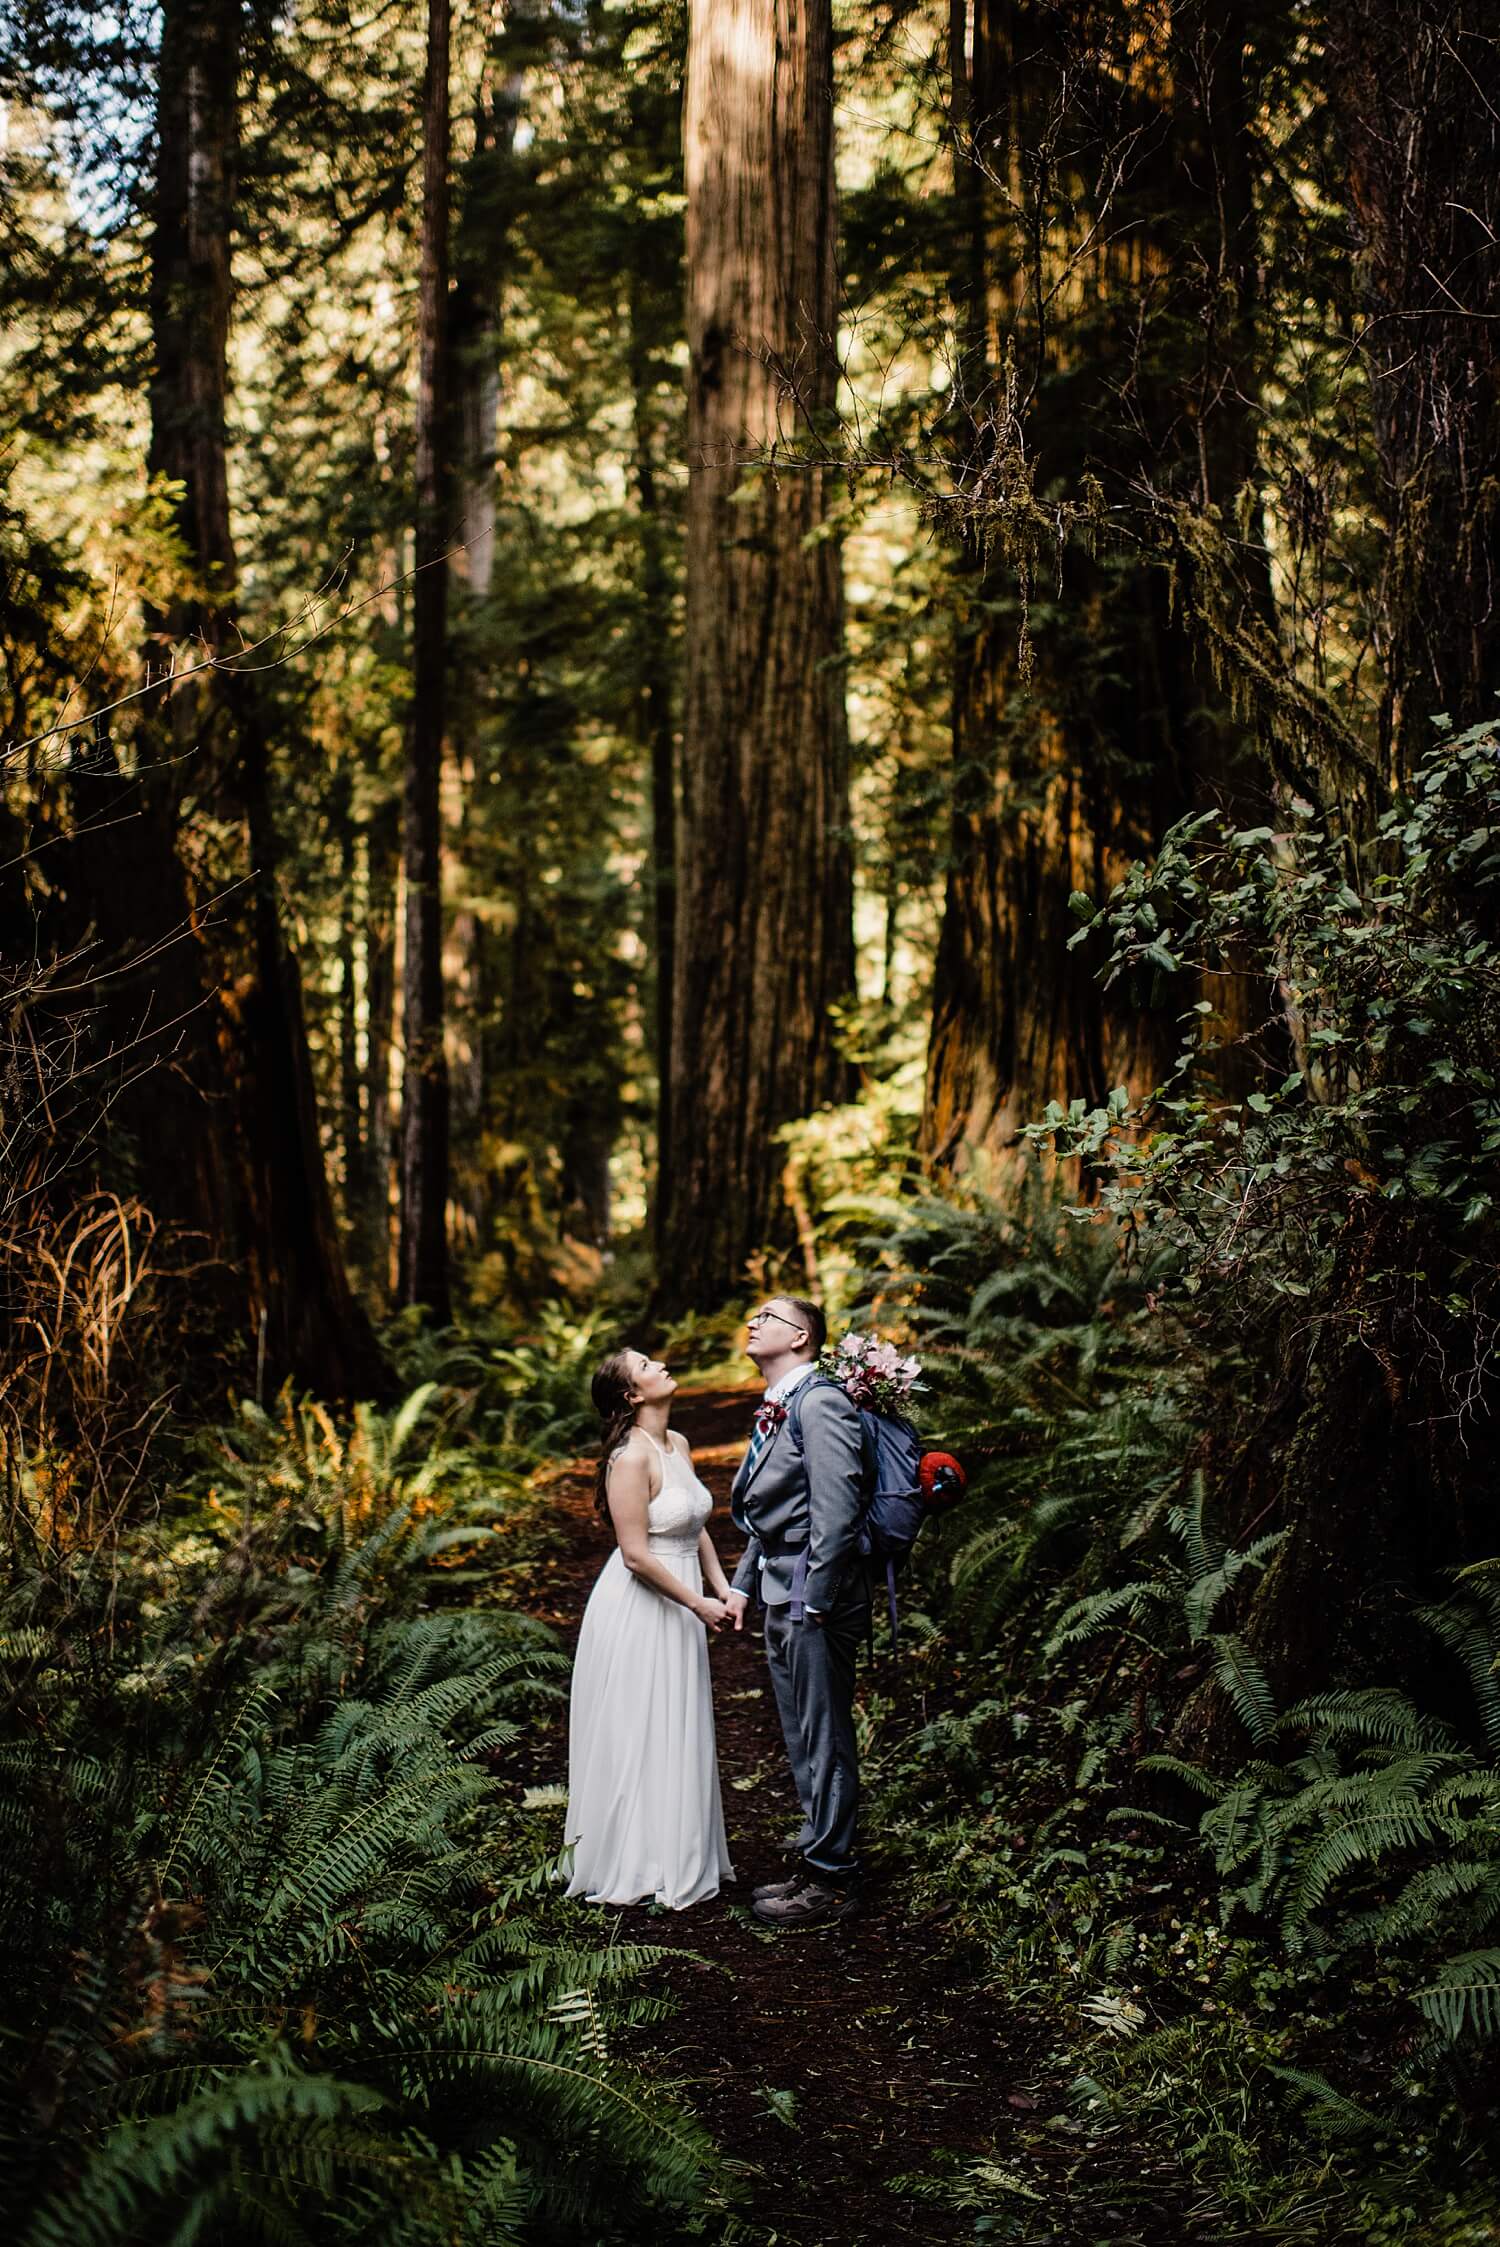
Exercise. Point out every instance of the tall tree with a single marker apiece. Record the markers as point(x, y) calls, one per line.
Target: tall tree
point(764, 878)
point(250, 1144)
point(1373, 1484)
point(424, 1117)
point(657, 724)
point(1104, 276)
point(1413, 89)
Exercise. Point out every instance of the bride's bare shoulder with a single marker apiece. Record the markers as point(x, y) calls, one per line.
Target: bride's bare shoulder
point(634, 1450)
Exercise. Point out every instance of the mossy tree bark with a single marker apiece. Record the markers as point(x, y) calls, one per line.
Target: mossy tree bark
point(764, 944)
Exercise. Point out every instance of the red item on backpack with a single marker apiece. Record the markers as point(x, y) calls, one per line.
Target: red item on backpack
point(942, 1480)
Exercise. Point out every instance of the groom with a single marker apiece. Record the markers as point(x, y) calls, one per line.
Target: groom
point(800, 1510)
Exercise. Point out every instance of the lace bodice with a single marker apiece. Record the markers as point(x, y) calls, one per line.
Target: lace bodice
point(680, 1508)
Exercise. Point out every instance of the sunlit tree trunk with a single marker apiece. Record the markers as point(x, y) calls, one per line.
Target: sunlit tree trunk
point(763, 936)
point(424, 1120)
point(657, 724)
point(482, 255)
point(382, 857)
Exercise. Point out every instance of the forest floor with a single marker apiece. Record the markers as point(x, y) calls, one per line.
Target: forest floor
point(840, 2069)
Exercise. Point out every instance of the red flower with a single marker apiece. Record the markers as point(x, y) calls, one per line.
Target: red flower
point(769, 1418)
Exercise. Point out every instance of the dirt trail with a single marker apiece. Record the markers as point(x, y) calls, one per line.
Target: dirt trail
point(832, 2061)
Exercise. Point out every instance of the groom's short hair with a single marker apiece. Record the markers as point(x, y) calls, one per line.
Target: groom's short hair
point(811, 1316)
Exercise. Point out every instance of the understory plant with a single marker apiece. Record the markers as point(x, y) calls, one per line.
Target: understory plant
point(1208, 1761)
point(283, 1957)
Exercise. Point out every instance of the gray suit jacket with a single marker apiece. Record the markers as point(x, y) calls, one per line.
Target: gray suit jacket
point(813, 1498)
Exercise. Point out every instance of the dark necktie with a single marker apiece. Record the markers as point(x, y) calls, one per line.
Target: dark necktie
point(760, 1436)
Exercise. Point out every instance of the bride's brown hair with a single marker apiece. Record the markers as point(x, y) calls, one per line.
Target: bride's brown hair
point(611, 1390)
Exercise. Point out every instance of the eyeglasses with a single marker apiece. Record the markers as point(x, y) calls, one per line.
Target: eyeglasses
point(761, 1316)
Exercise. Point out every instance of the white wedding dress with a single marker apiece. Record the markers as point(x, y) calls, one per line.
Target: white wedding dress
point(645, 1816)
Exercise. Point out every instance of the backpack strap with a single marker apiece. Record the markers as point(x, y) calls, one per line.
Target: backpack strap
point(794, 1430)
point(799, 1570)
point(794, 1415)
point(794, 1408)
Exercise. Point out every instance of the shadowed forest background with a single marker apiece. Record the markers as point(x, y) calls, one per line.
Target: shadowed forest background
point(652, 652)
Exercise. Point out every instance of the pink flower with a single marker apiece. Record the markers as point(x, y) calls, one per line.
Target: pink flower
point(872, 1372)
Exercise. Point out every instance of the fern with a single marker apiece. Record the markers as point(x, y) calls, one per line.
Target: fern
point(1464, 1997)
point(1245, 1684)
point(1328, 2108)
point(1087, 1617)
point(327, 1871)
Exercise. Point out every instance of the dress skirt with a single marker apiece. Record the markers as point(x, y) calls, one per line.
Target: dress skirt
point(645, 1817)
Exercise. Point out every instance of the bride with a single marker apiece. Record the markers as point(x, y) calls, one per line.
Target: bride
point(644, 1811)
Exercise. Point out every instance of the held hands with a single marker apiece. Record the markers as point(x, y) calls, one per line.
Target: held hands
point(737, 1602)
point(713, 1614)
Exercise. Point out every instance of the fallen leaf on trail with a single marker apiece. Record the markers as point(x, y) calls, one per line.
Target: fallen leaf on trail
point(783, 2104)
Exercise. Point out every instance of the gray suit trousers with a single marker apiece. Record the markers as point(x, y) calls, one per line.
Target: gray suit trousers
point(812, 1675)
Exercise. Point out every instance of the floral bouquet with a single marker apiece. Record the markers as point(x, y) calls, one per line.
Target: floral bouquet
point(874, 1373)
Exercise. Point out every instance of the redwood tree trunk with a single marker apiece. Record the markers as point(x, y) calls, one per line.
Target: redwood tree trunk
point(1081, 731)
point(764, 941)
point(658, 731)
point(1373, 1487)
point(261, 1192)
point(382, 857)
point(424, 1119)
point(1413, 88)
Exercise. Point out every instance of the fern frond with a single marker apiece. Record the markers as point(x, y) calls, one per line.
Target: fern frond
point(1371, 1713)
point(1465, 1997)
point(1246, 1684)
point(1088, 1616)
point(1330, 2110)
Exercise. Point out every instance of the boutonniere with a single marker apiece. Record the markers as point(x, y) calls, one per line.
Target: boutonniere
point(769, 1418)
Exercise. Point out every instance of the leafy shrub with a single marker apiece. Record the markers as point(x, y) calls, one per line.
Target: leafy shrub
point(1381, 979)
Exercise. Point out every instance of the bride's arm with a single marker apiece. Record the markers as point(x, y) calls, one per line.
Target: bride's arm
point(708, 1558)
point(712, 1566)
point(629, 1510)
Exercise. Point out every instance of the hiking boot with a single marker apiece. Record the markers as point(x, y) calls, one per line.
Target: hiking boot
point(811, 1903)
point(778, 1888)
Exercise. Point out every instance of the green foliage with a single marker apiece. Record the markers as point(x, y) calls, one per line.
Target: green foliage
point(1296, 2002)
point(283, 1960)
point(1386, 971)
point(518, 1398)
point(1380, 1833)
point(1049, 1378)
